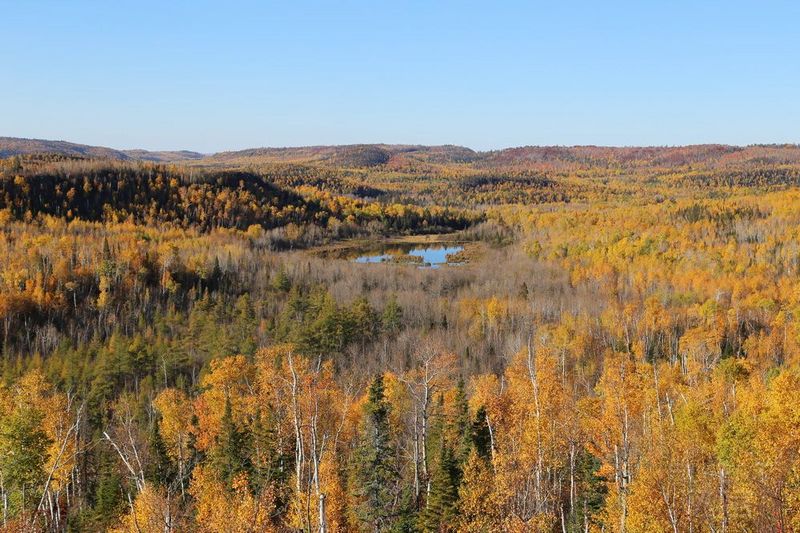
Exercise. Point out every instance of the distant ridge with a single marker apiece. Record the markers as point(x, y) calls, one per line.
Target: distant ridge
point(163, 156)
point(11, 146)
point(405, 156)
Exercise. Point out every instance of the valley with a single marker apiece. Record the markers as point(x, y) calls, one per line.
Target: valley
point(541, 338)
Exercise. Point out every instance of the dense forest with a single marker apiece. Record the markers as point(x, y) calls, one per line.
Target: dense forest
point(618, 350)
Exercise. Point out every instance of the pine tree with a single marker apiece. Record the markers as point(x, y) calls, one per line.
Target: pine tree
point(108, 494)
point(481, 438)
point(230, 457)
point(270, 462)
point(244, 326)
point(160, 469)
point(462, 425)
point(328, 333)
point(441, 508)
point(406, 519)
point(215, 277)
point(375, 475)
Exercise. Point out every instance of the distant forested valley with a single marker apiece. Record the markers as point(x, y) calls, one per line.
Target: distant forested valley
point(189, 342)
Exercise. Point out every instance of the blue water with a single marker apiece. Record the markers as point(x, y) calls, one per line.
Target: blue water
point(435, 256)
point(432, 256)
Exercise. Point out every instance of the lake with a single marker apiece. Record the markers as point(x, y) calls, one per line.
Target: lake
point(423, 256)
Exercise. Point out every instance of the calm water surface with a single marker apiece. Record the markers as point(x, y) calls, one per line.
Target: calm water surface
point(432, 256)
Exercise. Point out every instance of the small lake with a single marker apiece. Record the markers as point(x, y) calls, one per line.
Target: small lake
point(423, 256)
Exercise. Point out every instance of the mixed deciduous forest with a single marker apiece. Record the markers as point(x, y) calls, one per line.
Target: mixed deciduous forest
point(618, 349)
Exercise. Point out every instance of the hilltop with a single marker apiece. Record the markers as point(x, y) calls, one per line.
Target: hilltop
point(421, 157)
point(11, 146)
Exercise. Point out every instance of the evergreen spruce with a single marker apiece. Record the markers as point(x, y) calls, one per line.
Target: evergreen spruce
point(375, 475)
point(230, 456)
point(108, 495)
point(160, 469)
point(441, 507)
point(462, 425)
point(481, 438)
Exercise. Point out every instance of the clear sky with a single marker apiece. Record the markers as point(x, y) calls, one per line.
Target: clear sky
point(226, 75)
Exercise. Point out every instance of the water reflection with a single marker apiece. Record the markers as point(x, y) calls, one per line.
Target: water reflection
point(422, 256)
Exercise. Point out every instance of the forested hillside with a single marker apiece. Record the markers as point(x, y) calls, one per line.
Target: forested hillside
point(617, 348)
point(12, 146)
point(149, 194)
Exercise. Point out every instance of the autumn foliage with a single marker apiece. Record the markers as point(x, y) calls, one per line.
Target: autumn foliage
point(620, 351)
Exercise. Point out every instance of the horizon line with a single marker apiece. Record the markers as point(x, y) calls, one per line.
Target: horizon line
point(409, 145)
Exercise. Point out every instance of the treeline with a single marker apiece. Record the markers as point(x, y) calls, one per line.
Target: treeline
point(154, 195)
point(764, 176)
point(464, 187)
point(332, 180)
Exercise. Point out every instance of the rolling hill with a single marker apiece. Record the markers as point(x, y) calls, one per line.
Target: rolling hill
point(403, 157)
point(11, 146)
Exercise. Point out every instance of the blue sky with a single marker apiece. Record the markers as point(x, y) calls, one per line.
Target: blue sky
point(212, 76)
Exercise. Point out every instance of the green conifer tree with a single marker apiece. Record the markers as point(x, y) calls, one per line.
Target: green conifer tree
point(441, 508)
point(481, 438)
point(160, 469)
point(462, 426)
point(375, 475)
point(230, 456)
